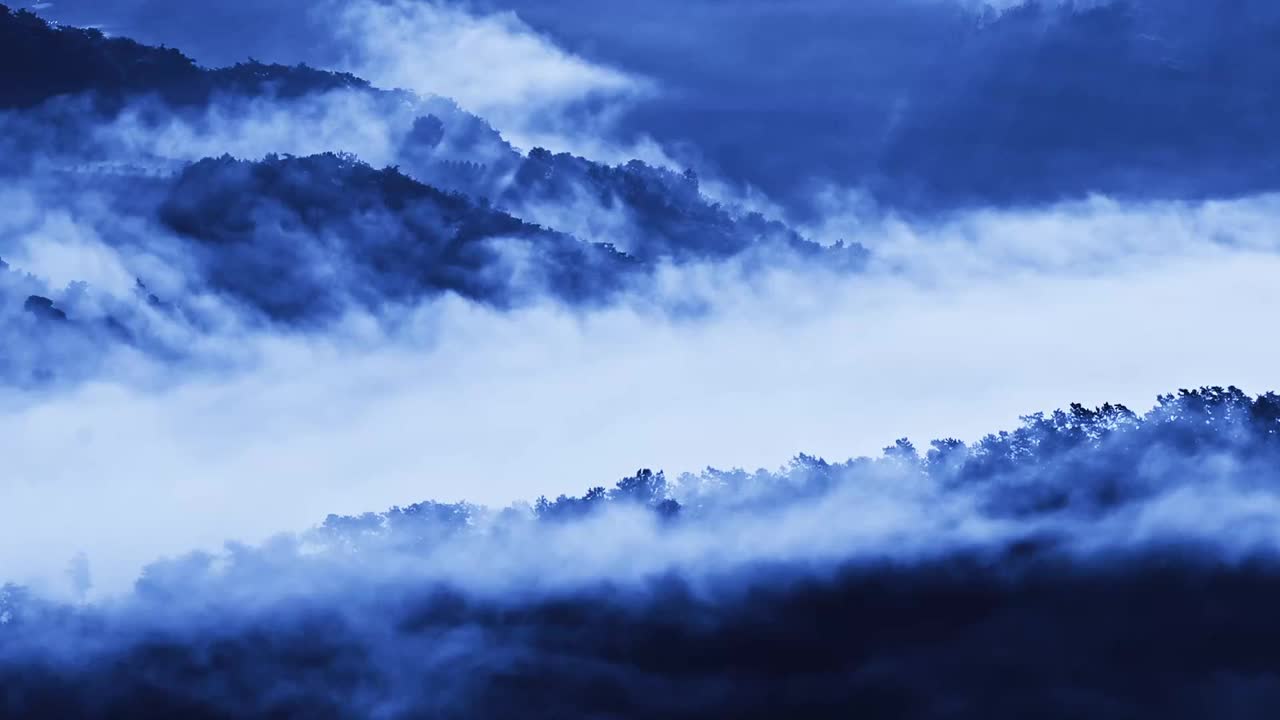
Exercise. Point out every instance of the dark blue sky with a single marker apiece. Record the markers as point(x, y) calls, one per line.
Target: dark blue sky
point(927, 103)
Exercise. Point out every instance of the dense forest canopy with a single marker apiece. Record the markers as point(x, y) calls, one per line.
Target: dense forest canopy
point(387, 609)
point(305, 239)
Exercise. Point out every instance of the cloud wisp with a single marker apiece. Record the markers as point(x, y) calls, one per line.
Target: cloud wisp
point(544, 96)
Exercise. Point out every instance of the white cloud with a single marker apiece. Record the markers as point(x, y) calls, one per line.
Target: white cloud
point(971, 324)
point(341, 120)
point(493, 65)
point(56, 248)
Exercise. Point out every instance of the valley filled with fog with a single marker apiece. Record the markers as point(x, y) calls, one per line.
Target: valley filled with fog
point(400, 358)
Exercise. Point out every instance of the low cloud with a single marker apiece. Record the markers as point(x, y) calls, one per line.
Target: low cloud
point(999, 314)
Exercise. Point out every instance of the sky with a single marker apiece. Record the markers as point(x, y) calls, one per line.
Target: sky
point(928, 104)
